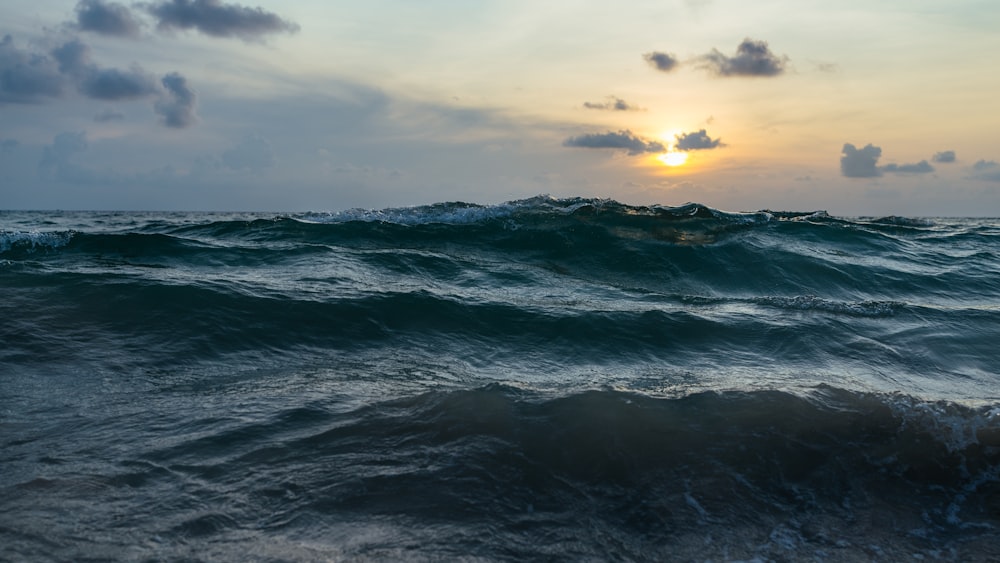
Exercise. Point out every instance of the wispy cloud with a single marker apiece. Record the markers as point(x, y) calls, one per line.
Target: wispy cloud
point(252, 153)
point(988, 170)
point(697, 140)
point(56, 161)
point(664, 62)
point(622, 140)
point(214, 18)
point(107, 115)
point(613, 104)
point(752, 58)
point(109, 18)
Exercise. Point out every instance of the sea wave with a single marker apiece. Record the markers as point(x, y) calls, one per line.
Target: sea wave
point(502, 472)
point(565, 379)
point(26, 242)
point(594, 280)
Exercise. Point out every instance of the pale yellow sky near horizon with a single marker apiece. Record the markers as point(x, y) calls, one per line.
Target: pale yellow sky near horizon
point(395, 103)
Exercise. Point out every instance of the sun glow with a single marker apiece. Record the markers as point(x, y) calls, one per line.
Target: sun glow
point(673, 158)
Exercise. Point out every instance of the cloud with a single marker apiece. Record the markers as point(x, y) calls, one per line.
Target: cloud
point(8, 145)
point(33, 78)
point(944, 156)
point(663, 62)
point(177, 106)
point(922, 167)
point(988, 170)
point(106, 19)
point(753, 58)
point(252, 153)
point(55, 161)
point(73, 57)
point(696, 140)
point(614, 104)
point(64, 145)
point(863, 163)
point(27, 78)
point(108, 115)
point(114, 84)
point(697, 5)
point(214, 18)
point(860, 163)
point(102, 83)
point(611, 140)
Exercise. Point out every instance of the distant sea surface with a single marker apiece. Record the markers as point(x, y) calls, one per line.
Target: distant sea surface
point(546, 379)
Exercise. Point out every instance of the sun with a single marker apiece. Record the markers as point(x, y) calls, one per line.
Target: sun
point(673, 158)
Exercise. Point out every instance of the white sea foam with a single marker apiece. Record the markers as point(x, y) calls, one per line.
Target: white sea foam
point(956, 428)
point(33, 240)
point(457, 213)
point(448, 214)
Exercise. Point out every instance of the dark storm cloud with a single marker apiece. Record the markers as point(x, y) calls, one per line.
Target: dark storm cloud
point(614, 104)
point(987, 170)
point(106, 18)
point(697, 140)
point(753, 58)
point(27, 78)
point(944, 156)
point(102, 83)
point(664, 62)
point(177, 105)
point(922, 167)
point(252, 153)
point(860, 163)
point(214, 18)
point(624, 140)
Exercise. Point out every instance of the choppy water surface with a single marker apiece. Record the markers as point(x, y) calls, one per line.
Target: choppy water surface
point(545, 379)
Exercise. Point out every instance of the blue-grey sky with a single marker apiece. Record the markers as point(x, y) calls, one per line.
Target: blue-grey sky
point(855, 107)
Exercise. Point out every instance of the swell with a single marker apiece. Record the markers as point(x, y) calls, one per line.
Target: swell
point(591, 281)
point(689, 249)
point(771, 261)
point(154, 321)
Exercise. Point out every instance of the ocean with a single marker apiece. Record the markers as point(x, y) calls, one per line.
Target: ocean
point(546, 379)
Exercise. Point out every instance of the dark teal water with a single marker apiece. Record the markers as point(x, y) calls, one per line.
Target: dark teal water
point(545, 379)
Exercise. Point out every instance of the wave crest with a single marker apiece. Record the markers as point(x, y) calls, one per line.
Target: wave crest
point(31, 241)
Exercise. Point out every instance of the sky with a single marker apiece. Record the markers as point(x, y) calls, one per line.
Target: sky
point(858, 108)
